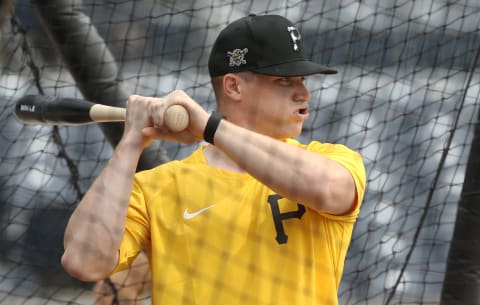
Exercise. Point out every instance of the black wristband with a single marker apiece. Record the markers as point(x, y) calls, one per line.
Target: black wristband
point(212, 125)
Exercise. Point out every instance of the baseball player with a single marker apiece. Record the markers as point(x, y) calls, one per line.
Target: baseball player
point(252, 216)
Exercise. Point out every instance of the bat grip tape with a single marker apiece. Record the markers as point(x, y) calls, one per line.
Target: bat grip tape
point(211, 127)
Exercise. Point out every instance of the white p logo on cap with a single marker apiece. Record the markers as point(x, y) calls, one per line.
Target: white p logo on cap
point(295, 35)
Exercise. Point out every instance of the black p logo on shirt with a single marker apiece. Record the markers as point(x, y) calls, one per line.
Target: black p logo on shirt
point(278, 217)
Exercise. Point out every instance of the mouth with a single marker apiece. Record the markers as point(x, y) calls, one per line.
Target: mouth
point(302, 112)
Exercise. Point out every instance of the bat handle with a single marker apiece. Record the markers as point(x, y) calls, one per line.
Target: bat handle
point(176, 117)
point(104, 113)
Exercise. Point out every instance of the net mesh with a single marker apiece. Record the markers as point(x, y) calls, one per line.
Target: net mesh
point(406, 97)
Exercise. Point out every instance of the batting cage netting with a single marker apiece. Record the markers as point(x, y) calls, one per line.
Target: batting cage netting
point(406, 97)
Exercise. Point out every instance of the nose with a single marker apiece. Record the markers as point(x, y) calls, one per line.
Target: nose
point(302, 94)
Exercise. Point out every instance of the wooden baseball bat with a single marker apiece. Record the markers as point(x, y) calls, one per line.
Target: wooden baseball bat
point(51, 110)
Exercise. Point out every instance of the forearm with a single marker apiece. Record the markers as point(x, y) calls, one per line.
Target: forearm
point(95, 230)
point(294, 173)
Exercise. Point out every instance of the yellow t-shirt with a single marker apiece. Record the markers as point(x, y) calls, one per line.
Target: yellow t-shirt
point(215, 236)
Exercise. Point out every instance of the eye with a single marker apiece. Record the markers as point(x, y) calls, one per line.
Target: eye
point(284, 81)
point(289, 81)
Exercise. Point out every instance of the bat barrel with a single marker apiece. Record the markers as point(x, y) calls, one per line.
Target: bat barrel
point(48, 110)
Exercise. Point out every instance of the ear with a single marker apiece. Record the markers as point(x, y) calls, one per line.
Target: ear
point(232, 85)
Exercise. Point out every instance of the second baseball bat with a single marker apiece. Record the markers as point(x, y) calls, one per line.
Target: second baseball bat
point(50, 110)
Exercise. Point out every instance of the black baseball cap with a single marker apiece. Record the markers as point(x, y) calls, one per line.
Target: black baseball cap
point(265, 44)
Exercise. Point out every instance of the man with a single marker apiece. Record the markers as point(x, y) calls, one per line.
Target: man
point(253, 217)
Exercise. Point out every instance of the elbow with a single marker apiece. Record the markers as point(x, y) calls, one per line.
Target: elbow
point(79, 268)
point(320, 201)
point(334, 200)
point(324, 202)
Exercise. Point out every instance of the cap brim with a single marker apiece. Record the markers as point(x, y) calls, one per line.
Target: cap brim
point(296, 68)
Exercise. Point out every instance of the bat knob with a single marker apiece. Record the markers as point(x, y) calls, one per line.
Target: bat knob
point(176, 118)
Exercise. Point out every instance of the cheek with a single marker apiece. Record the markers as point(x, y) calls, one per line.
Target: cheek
point(266, 104)
point(270, 119)
point(266, 110)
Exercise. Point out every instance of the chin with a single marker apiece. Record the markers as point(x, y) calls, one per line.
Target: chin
point(296, 133)
point(290, 135)
point(290, 131)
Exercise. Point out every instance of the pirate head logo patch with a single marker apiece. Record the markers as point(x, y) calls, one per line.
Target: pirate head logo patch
point(237, 57)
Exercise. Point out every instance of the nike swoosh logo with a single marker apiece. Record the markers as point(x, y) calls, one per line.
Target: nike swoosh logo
point(187, 215)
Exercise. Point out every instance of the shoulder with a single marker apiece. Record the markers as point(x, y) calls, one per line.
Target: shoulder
point(328, 149)
point(347, 157)
point(344, 155)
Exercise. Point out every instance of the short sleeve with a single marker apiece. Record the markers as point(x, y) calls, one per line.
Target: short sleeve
point(136, 229)
point(353, 162)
